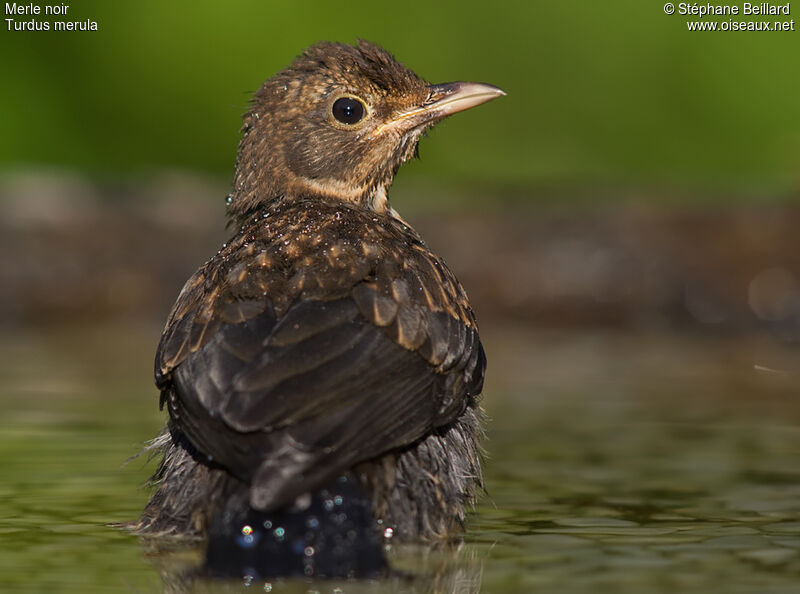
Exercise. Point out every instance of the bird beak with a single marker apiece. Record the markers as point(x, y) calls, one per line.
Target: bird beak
point(444, 100)
point(450, 98)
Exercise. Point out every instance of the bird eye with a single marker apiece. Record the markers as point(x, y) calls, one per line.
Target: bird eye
point(348, 110)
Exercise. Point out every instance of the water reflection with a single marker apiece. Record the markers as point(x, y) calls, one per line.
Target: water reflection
point(454, 568)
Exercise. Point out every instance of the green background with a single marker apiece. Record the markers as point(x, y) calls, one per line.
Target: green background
point(614, 94)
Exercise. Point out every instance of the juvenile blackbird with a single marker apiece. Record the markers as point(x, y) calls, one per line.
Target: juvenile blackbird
point(324, 348)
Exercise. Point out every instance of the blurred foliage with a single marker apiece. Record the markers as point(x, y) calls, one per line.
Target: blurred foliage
point(614, 93)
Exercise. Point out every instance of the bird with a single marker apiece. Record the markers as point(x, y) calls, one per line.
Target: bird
point(325, 353)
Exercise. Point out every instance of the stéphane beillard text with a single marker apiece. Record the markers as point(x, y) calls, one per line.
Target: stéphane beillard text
point(748, 8)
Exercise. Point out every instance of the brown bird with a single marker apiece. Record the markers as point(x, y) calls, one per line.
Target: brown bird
point(325, 342)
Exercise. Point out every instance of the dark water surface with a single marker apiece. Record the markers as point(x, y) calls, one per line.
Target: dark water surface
point(617, 463)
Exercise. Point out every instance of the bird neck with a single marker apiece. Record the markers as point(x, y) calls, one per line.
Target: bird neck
point(245, 203)
point(378, 200)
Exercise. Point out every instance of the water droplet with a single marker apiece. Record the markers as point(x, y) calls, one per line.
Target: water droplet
point(279, 533)
point(309, 551)
point(267, 524)
point(248, 538)
point(388, 533)
point(328, 504)
point(268, 587)
point(228, 199)
point(338, 500)
point(248, 580)
point(312, 522)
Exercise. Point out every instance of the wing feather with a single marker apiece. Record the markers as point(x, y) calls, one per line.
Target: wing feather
point(288, 366)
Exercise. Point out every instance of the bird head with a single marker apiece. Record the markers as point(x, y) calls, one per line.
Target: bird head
point(338, 123)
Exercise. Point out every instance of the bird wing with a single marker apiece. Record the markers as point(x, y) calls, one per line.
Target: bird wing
point(286, 397)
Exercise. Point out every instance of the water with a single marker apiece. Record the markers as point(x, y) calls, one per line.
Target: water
point(622, 463)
